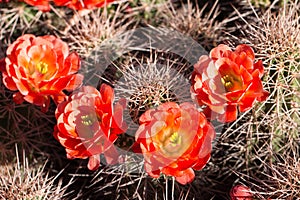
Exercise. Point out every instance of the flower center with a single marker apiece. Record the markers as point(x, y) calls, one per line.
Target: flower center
point(88, 120)
point(174, 145)
point(227, 82)
point(42, 67)
point(175, 139)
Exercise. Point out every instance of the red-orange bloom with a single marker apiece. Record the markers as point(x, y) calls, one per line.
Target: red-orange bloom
point(42, 5)
point(175, 139)
point(40, 68)
point(88, 124)
point(227, 80)
point(240, 192)
point(82, 4)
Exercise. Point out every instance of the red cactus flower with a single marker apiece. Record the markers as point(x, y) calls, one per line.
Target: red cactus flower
point(42, 5)
point(175, 139)
point(227, 80)
point(40, 68)
point(82, 4)
point(88, 124)
point(240, 192)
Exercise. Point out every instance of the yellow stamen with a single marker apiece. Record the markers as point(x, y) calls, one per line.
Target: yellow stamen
point(42, 67)
point(87, 120)
point(227, 81)
point(175, 139)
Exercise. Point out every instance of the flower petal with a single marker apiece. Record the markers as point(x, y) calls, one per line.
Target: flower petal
point(186, 177)
point(111, 155)
point(94, 162)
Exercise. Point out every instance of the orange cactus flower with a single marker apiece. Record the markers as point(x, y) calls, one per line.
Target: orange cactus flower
point(82, 4)
point(42, 5)
point(40, 68)
point(226, 81)
point(240, 192)
point(175, 139)
point(88, 124)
